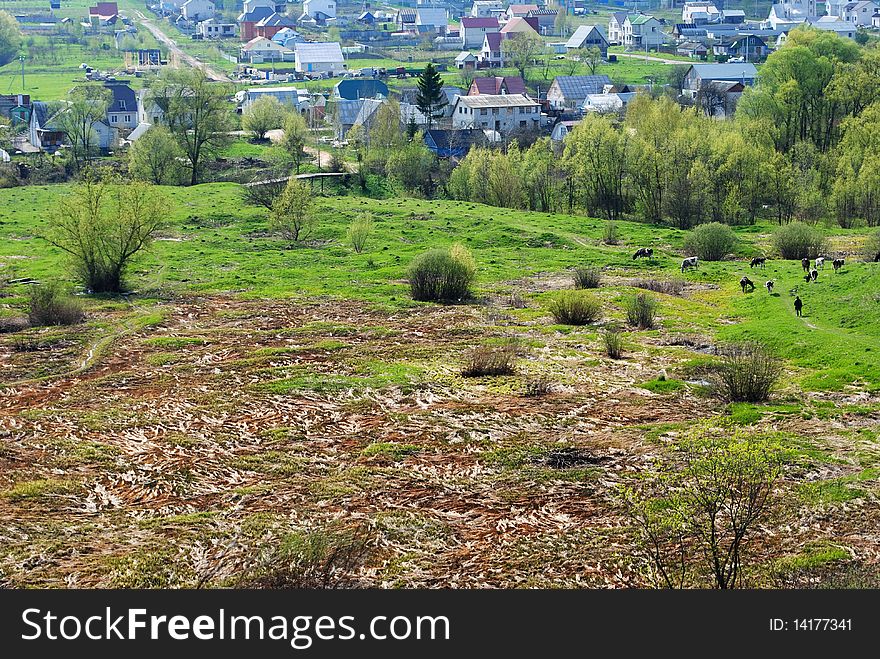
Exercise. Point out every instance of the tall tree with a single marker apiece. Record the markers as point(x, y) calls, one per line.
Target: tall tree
point(521, 50)
point(261, 116)
point(196, 111)
point(295, 134)
point(155, 157)
point(88, 105)
point(430, 100)
point(10, 38)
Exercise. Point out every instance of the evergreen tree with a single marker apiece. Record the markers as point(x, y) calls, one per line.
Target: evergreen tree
point(431, 100)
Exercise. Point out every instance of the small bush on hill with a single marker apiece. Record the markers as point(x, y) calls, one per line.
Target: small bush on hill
point(747, 373)
point(641, 310)
point(442, 274)
point(359, 232)
point(710, 242)
point(667, 286)
point(575, 308)
point(609, 234)
point(613, 342)
point(49, 305)
point(799, 241)
point(491, 360)
point(587, 277)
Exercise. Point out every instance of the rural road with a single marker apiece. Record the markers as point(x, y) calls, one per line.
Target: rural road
point(277, 134)
point(194, 62)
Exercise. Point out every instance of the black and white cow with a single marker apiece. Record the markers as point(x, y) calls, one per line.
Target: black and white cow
point(690, 262)
point(838, 264)
point(745, 283)
point(758, 261)
point(643, 253)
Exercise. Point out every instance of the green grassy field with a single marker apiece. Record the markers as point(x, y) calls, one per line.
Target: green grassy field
point(216, 244)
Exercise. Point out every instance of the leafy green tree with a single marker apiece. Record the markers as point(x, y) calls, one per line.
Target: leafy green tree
point(265, 114)
point(521, 50)
point(292, 214)
point(430, 100)
point(103, 226)
point(155, 157)
point(293, 142)
point(597, 154)
point(88, 105)
point(696, 516)
point(10, 38)
point(412, 167)
point(196, 111)
point(592, 58)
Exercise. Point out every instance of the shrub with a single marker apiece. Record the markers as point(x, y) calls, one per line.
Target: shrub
point(587, 277)
point(609, 234)
point(441, 274)
point(747, 372)
point(710, 242)
point(799, 241)
point(641, 310)
point(668, 286)
point(491, 360)
point(538, 386)
point(872, 247)
point(292, 214)
point(613, 342)
point(49, 305)
point(575, 308)
point(321, 559)
point(516, 300)
point(359, 232)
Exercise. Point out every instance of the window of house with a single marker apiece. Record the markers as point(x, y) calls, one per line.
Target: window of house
point(522, 124)
point(483, 111)
point(112, 118)
point(122, 105)
point(127, 118)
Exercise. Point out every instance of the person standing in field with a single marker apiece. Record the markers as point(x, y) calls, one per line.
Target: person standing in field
point(798, 305)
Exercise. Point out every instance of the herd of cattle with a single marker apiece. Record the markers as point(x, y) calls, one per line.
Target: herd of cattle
point(747, 285)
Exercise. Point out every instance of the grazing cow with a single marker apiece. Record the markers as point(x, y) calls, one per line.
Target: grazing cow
point(745, 282)
point(643, 253)
point(798, 305)
point(820, 262)
point(805, 264)
point(838, 264)
point(814, 274)
point(690, 262)
point(758, 261)
point(877, 258)
point(769, 285)
point(807, 278)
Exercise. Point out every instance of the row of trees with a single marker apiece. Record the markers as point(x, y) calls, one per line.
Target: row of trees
point(803, 146)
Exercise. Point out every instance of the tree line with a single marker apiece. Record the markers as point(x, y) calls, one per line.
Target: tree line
point(803, 145)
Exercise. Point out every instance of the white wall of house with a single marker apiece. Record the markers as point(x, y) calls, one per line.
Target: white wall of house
point(505, 119)
point(197, 10)
point(313, 7)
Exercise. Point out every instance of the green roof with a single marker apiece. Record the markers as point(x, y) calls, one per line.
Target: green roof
point(638, 19)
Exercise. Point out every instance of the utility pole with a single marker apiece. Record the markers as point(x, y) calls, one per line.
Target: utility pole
point(21, 59)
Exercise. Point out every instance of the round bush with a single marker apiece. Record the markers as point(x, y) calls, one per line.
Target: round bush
point(799, 241)
point(441, 274)
point(710, 242)
point(575, 308)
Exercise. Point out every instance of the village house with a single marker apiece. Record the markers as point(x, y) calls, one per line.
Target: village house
point(16, 108)
point(248, 19)
point(641, 31)
point(432, 20)
point(615, 28)
point(45, 133)
point(261, 49)
point(487, 9)
point(586, 37)
point(700, 13)
point(288, 37)
point(495, 85)
point(467, 60)
point(319, 57)
point(491, 54)
point(196, 11)
point(859, 13)
point(354, 89)
point(750, 47)
point(293, 97)
point(271, 25)
point(570, 92)
point(319, 10)
point(546, 19)
point(453, 143)
point(214, 29)
point(527, 26)
point(514, 11)
point(405, 21)
point(474, 30)
point(504, 113)
point(122, 113)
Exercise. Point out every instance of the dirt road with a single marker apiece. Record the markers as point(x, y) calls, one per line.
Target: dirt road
point(194, 62)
